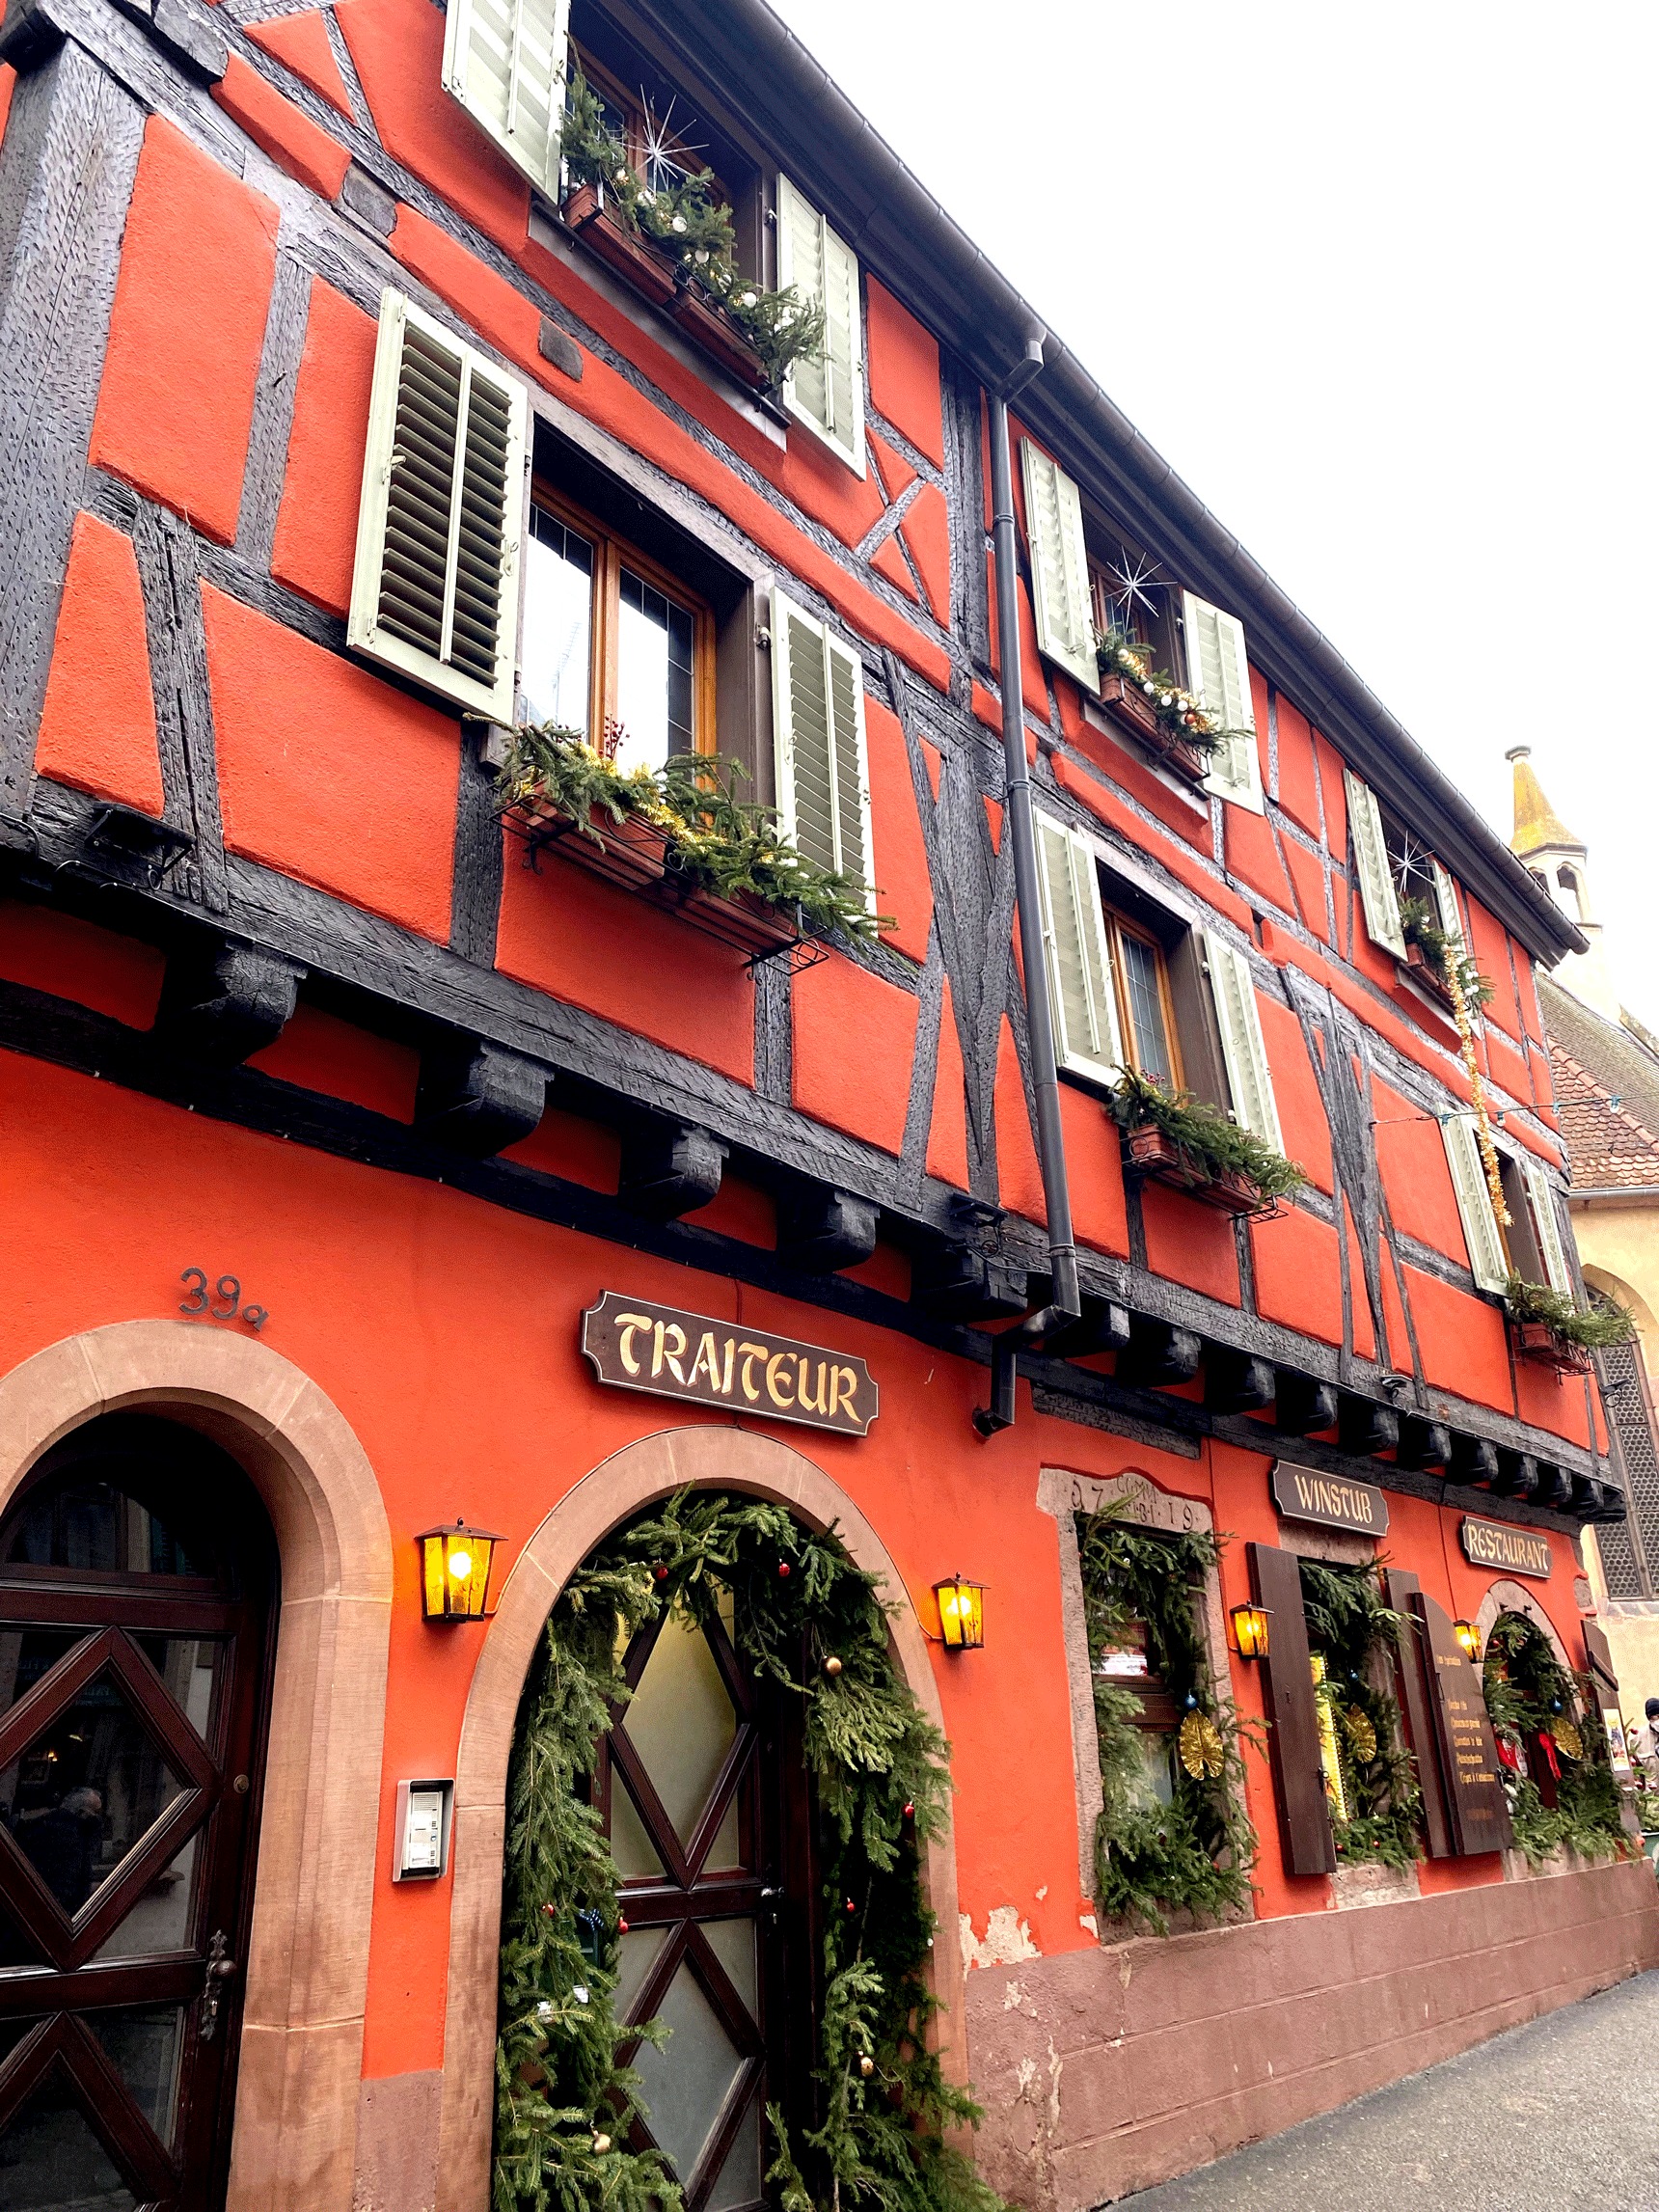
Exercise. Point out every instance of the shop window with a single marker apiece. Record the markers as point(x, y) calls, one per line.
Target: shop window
point(1558, 1775)
point(613, 646)
point(1127, 1664)
point(1370, 1785)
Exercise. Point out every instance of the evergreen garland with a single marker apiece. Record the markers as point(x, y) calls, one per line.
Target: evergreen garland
point(712, 837)
point(1564, 1318)
point(880, 1770)
point(1353, 1630)
point(1179, 713)
point(1212, 1142)
point(694, 228)
point(1196, 1853)
point(1420, 925)
point(1528, 1690)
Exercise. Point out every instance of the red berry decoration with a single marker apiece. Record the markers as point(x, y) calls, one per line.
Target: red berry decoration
point(621, 1925)
point(660, 1572)
point(851, 1906)
point(909, 1810)
point(784, 1570)
point(548, 1909)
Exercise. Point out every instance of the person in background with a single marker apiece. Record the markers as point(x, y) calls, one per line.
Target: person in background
point(1644, 1747)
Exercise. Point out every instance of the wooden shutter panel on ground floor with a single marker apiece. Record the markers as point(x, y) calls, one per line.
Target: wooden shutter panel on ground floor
point(1489, 1261)
point(434, 592)
point(1377, 894)
point(1294, 1721)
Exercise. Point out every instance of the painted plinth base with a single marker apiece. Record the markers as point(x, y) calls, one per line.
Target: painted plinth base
point(1105, 2071)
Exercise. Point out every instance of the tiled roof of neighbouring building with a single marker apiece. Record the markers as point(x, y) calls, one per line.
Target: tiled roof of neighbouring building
point(1612, 1147)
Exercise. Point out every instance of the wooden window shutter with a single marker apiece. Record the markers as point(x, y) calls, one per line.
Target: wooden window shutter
point(1059, 566)
point(1079, 959)
point(1233, 987)
point(1488, 1261)
point(825, 394)
point(1376, 890)
point(1546, 1224)
point(1218, 672)
point(1409, 1673)
point(1445, 902)
point(1292, 1714)
point(818, 723)
point(504, 60)
point(435, 589)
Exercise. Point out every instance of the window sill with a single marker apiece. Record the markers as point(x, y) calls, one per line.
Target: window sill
point(634, 857)
point(1126, 706)
point(648, 272)
point(1151, 1158)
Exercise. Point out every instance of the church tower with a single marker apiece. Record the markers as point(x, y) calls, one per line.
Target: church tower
point(1558, 861)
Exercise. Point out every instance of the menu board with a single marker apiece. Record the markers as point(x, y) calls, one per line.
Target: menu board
point(1475, 1800)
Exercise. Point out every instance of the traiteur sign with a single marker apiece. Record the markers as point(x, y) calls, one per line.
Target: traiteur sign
point(636, 1344)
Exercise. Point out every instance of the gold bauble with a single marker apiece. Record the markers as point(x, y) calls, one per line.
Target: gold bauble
point(1568, 1739)
point(1357, 1727)
point(1203, 1753)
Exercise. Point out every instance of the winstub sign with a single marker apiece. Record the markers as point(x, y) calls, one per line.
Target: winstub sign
point(637, 1345)
point(1498, 1544)
point(1331, 1501)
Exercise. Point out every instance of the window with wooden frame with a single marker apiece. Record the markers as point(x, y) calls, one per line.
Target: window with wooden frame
point(1531, 1243)
point(1146, 1002)
point(666, 140)
point(1126, 1661)
point(613, 646)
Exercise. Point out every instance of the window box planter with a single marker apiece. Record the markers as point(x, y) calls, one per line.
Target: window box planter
point(1537, 1341)
point(1155, 1158)
point(1133, 711)
point(744, 923)
point(633, 259)
point(631, 854)
point(718, 337)
point(1422, 969)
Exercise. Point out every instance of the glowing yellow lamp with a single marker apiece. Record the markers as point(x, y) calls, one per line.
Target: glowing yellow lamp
point(1250, 1630)
point(960, 1613)
point(1469, 1636)
point(456, 1571)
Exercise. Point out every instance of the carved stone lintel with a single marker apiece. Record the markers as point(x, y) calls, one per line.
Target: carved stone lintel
point(957, 1283)
point(1423, 1444)
point(1363, 1426)
point(1472, 1459)
point(1103, 1327)
point(820, 1229)
point(1159, 1353)
point(1236, 1381)
point(222, 1008)
point(1517, 1475)
point(1303, 1406)
point(669, 1168)
point(479, 1098)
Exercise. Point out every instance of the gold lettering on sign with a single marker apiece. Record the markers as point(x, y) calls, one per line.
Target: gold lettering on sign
point(1302, 1494)
point(1500, 1544)
point(773, 1376)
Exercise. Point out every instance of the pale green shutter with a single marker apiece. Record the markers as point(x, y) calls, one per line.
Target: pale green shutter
point(435, 587)
point(1376, 890)
point(1233, 987)
point(1445, 902)
point(1059, 566)
point(1078, 958)
point(1546, 1224)
point(504, 60)
point(1218, 672)
point(826, 392)
point(818, 724)
point(1489, 1261)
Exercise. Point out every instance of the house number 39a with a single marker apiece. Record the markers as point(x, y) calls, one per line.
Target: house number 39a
point(222, 1303)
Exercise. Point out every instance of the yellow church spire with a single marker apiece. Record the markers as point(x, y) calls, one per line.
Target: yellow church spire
point(1538, 828)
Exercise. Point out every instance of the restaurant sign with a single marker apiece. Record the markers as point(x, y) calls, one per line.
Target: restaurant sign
point(1331, 1501)
point(636, 1345)
point(1499, 1543)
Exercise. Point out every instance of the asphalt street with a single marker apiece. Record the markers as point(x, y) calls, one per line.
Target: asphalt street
point(1562, 2113)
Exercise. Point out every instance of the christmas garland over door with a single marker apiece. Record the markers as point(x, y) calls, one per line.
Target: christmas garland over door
point(878, 1765)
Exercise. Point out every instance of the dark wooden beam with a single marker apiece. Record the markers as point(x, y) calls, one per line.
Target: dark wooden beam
point(477, 1098)
point(1103, 1327)
point(956, 1282)
point(1158, 1354)
point(1364, 1426)
point(222, 1001)
point(1302, 1407)
point(669, 1167)
point(1236, 1382)
point(1553, 1486)
point(1422, 1443)
point(820, 1229)
point(1517, 1475)
point(1474, 1461)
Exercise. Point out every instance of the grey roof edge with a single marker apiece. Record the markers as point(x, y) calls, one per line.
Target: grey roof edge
point(923, 253)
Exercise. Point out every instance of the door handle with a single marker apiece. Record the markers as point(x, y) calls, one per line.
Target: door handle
point(770, 1905)
point(221, 1966)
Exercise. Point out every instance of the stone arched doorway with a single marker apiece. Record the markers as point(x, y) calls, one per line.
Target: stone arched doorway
point(612, 1494)
point(307, 1971)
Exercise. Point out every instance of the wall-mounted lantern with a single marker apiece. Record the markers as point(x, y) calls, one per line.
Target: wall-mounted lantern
point(456, 1571)
point(1469, 1636)
point(960, 1613)
point(1250, 1630)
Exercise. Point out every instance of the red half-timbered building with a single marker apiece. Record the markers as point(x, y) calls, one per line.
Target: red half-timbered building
point(348, 425)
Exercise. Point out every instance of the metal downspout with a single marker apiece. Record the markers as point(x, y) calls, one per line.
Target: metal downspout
point(1065, 1304)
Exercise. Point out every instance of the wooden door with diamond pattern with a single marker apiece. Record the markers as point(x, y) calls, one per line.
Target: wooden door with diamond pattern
point(136, 1579)
point(702, 1782)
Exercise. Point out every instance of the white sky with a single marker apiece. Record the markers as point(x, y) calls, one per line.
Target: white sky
point(1378, 282)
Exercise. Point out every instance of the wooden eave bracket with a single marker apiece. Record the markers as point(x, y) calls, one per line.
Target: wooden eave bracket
point(479, 1098)
point(225, 1003)
point(669, 1168)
